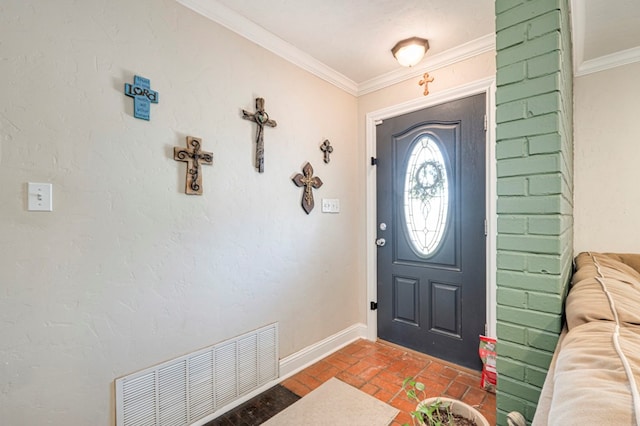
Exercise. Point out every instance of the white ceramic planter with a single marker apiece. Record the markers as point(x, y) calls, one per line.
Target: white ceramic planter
point(458, 407)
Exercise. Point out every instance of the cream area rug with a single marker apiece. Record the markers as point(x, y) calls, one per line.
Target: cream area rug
point(335, 403)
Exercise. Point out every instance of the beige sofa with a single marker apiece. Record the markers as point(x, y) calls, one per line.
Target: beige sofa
point(594, 375)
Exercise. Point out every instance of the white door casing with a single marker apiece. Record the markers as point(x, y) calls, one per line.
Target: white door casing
point(373, 118)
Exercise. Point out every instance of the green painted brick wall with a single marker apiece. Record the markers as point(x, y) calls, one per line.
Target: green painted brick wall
point(534, 155)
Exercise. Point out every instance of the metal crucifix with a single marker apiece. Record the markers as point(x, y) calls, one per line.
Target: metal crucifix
point(309, 181)
point(261, 118)
point(327, 149)
point(193, 157)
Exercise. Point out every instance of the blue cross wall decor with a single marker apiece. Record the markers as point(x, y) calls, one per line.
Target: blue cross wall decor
point(142, 96)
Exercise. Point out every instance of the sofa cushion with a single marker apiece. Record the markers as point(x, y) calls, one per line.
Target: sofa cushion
point(587, 299)
point(590, 386)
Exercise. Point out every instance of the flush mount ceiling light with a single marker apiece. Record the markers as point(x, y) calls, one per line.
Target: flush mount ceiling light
point(410, 51)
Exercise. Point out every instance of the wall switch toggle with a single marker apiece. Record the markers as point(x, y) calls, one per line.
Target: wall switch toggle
point(39, 197)
point(330, 205)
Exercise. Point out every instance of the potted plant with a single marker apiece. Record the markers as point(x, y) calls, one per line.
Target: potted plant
point(440, 411)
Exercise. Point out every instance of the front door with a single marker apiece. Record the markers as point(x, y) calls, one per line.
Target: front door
point(431, 279)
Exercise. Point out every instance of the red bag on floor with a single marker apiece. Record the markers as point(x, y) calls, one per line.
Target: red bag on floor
point(487, 351)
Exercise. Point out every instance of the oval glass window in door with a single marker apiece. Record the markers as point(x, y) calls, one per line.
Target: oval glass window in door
point(426, 196)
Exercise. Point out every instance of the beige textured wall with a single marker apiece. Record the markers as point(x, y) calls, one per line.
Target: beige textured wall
point(607, 150)
point(128, 271)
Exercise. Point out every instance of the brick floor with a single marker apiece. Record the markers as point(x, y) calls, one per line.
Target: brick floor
point(378, 368)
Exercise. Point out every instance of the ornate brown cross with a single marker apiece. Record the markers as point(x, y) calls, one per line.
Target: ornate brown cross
point(425, 81)
point(193, 157)
point(261, 118)
point(327, 149)
point(309, 182)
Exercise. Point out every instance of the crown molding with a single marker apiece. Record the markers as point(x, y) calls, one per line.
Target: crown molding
point(253, 32)
point(606, 62)
point(249, 30)
point(468, 50)
point(582, 67)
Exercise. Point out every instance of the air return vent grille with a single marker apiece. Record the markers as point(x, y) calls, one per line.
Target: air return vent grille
point(186, 389)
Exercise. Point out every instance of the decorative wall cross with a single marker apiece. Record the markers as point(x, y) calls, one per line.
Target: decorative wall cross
point(327, 149)
point(309, 182)
point(193, 157)
point(426, 79)
point(142, 96)
point(261, 118)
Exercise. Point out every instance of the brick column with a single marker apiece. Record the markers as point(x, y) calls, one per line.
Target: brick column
point(535, 192)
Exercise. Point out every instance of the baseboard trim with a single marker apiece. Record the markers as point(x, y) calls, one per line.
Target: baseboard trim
point(311, 354)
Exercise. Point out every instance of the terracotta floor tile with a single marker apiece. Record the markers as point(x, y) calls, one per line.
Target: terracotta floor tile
point(327, 374)
point(489, 406)
point(412, 366)
point(403, 403)
point(317, 368)
point(354, 381)
point(402, 419)
point(391, 350)
point(381, 358)
point(449, 372)
point(430, 379)
point(369, 388)
point(473, 381)
point(383, 384)
point(391, 378)
point(307, 380)
point(355, 348)
point(474, 397)
point(398, 366)
point(340, 365)
point(363, 353)
point(456, 390)
point(434, 389)
point(383, 395)
point(436, 367)
point(378, 369)
point(343, 357)
point(364, 369)
point(296, 387)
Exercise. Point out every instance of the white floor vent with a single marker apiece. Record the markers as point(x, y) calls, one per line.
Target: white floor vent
point(186, 389)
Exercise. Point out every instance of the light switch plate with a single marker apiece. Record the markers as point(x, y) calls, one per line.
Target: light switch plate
point(39, 197)
point(331, 205)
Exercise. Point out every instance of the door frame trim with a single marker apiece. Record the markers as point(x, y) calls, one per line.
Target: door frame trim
point(486, 86)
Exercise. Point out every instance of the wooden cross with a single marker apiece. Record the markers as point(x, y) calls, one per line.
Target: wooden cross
point(327, 149)
point(309, 182)
point(142, 96)
point(261, 118)
point(193, 157)
point(425, 81)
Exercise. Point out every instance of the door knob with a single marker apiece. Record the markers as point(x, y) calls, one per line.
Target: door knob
point(380, 242)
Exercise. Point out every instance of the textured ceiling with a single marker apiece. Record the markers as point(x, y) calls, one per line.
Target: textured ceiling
point(610, 26)
point(353, 38)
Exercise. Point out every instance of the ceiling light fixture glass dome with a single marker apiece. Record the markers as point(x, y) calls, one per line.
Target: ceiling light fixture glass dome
point(410, 51)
